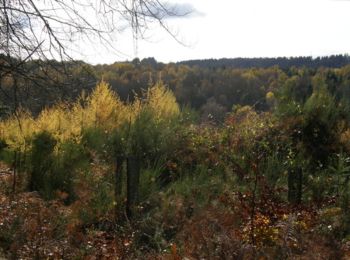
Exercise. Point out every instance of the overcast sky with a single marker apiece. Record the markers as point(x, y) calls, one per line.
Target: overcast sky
point(241, 28)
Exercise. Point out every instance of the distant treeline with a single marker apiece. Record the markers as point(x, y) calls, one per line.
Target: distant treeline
point(212, 91)
point(334, 61)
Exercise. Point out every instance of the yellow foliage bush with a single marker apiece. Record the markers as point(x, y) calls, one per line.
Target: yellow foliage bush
point(246, 125)
point(162, 102)
point(18, 129)
point(102, 109)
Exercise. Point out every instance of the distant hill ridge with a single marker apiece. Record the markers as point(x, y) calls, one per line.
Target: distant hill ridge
point(333, 61)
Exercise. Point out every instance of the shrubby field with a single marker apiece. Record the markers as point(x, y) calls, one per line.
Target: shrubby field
point(166, 161)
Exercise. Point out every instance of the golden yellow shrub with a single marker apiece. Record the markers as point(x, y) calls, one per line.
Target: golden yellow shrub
point(102, 109)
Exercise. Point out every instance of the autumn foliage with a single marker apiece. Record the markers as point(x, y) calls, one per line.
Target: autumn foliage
point(207, 190)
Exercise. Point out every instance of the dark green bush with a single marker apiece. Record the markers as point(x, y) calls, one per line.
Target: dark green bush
point(3, 145)
point(52, 166)
point(99, 141)
point(41, 160)
point(71, 157)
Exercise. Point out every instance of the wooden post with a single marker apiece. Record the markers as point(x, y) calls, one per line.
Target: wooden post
point(299, 180)
point(133, 176)
point(118, 176)
point(295, 185)
point(291, 187)
point(15, 161)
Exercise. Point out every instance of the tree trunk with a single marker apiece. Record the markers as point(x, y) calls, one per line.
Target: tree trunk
point(118, 176)
point(15, 164)
point(295, 186)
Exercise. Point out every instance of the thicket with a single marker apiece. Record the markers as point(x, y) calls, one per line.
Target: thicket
point(260, 183)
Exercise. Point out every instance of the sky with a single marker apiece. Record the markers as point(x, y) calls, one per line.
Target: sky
point(239, 28)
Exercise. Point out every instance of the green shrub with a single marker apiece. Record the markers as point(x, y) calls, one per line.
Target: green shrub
point(200, 186)
point(71, 157)
point(100, 205)
point(52, 166)
point(318, 185)
point(3, 145)
point(149, 183)
point(42, 159)
point(274, 169)
point(99, 141)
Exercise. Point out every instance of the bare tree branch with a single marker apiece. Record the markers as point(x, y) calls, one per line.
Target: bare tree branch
point(36, 31)
point(60, 22)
